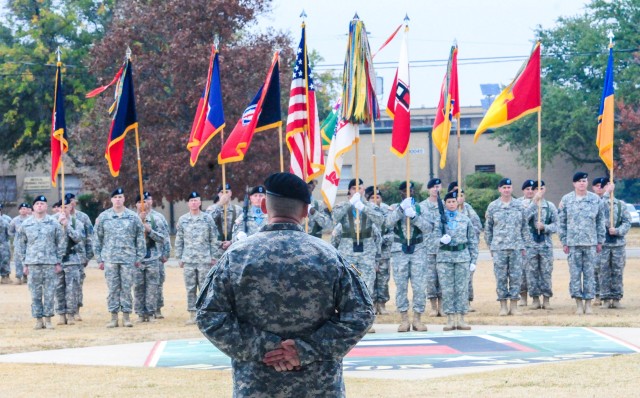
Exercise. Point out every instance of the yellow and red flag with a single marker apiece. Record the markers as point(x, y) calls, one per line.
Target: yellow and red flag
point(399, 102)
point(59, 143)
point(604, 139)
point(448, 107)
point(520, 98)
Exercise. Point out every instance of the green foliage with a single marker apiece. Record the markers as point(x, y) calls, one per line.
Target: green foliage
point(628, 190)
point(391, 194)
point(327, 86)
point(480, 198)
point(483, 181)
point(90, 205)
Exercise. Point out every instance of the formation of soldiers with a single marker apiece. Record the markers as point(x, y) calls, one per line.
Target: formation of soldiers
point(431, 245)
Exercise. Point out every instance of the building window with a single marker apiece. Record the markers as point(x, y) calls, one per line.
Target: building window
point(345, 176)
point(72, 184)
point(485, 168)
point(8, 189)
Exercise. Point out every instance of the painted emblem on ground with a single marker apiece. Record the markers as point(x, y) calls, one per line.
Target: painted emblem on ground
point(429, 350)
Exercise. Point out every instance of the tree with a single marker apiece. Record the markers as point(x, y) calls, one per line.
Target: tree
point(170, 42)
point(574, 62)
point(30, 32)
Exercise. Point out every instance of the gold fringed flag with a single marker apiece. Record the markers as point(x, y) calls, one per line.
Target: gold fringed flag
point(604, 139)
point(448, 107)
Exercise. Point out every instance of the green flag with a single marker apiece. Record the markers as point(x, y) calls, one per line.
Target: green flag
point(328, 126)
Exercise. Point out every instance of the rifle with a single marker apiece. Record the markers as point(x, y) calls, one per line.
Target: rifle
point(245, 209)
point(443, 217)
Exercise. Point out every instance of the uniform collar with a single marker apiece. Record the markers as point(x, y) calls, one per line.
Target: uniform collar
point(282, 227)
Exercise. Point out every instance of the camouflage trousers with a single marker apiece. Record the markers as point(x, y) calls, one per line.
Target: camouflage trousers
point(470, 288)
point(194, 277)
point(596, 271)
point(68, 289)
point(161, 278)
point(454, 280)
point(539, 260)
point(381, 285)
point(17, 265)
point(507, 268)
point(410, 268)
point(364, 261)
point(433, 282)
point(5, 257)
point(582, 262)
point(613, 259)
point(83, 276)
point(146, 280)
point(119, 282)
point(525, 271)
point(42, 284)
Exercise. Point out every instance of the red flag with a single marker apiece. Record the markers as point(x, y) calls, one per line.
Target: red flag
point(448, 107)
point(398, 104)
point(59, 144)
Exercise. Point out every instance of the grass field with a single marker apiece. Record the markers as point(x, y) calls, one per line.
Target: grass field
point(613, 377)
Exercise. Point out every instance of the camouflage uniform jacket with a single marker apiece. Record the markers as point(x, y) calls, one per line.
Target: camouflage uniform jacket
point(74, 242)
point(196, 238)
point(505, 226)
point(255, 220)
point(621, 221)
point(462, 232)
point(41, 241)
point(14, 226)
point(166, 245)
point(474, 217)
point(581, 221)
point(548, 216)
point(4, 234)
point(119, 239)
point(387, 233)
point(421, 227)
point(320, 221)
point(217, 214)
point(267, 289)
point(372, 215)
point(155, 239)
point(88, 232)
point(431, 212)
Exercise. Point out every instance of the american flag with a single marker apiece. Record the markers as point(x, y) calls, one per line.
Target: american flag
point(302, 122)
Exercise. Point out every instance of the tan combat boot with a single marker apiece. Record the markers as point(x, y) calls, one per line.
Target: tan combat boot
point(536, 303)
point(192, 318)
point(461, 324)
point(504, 311)
point(469, 309)
point(417, 324)
point(545, 303)
point(604, 303)
point(587, 307)
point(39, 325)
point(47, 323)
point(615, 303)
point(597, 302)
point(434, 307)
point(141, 318)
point(513, 310)
point(158, 314)
point(579, 307)
point(77, 316)
point(114, 321)
point(62, 320)
point(18, 281)
point(71, 320)
point(383, 309)
point(440, 313)
point(405, 326)
point(126, 322)
point(523, 299)
point(451, 323)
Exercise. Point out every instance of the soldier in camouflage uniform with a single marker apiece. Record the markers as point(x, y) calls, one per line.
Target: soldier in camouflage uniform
point(431, 210)
point(613, 255)
point(252, 217)
point(119, 248)
point(383, 260)
point(409, 257)
point(88, 245)
point(217, 213)
point(319, 218)
point(466, 209)
point(581, 227)
point(42, 244)
point(24, 211)
point(598, 186)
point(539, 248)
point(196, 245)
point(505, 232)
point(457, 255)
point(354, 214)
point(525, 200)
point(146, 278)
point(73, 259)
point(5, 250)
point(285, 316)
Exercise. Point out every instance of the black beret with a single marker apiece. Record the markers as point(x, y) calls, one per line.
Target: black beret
point(24, 205)
point(352, 183)
point(69, 196)
point(432, 182)
point(451, 195)
point(1, 206)
point(403, 185)
point(193, 195)
point(504, 181)
point(67, 201)
point(261, 189)
point(287, 185)
point(600, 180)
point(452, 185)
point(118, 191)
point(536, 185)
point(579, 176)
point(146, 195)
point(226, 186)
point(138, 197)
point(528, 183)
point(369, 192)
point(39, 198)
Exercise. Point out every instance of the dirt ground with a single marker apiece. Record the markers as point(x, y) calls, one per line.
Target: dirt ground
point(617, 376)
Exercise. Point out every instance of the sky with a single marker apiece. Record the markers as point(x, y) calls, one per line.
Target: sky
point(487, 28)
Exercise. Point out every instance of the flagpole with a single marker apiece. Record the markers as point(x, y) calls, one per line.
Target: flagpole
point(61, 140)
point(358, 190)
point(408, 182)
point(224, 187)
point(460, 206)
point(539, 161)
point(611, 36)
point(305, 128)
point(128, 59)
